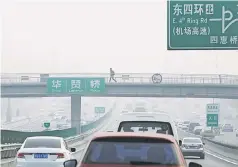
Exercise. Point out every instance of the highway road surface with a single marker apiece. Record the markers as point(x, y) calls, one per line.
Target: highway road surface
point(212, 159)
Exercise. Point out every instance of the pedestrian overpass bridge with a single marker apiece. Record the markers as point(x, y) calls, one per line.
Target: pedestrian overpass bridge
point(127, 85)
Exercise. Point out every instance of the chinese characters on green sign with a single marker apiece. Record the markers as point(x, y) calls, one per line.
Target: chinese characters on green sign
point(202, 25)
point(213, 115)
point(75, 85)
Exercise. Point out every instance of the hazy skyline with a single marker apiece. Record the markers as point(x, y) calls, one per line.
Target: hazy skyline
point(84, 37)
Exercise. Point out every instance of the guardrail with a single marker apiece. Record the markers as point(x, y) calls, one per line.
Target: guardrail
point(129, 78)
point(7, 151)
point(10, 146)
point(10, 151)
point(224, 144)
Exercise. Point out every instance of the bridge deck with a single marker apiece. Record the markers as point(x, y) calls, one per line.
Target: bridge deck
point(132, 78)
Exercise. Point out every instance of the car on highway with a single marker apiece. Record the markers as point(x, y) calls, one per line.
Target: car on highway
point(192, 125)
point(186, 123)
point(227, 128)
point(180, 125)
point(192, 146)
point(42, 150)
point(146, 122)
point(113, 149)
point(197, 130)
point(207, 132)
point(184, 127)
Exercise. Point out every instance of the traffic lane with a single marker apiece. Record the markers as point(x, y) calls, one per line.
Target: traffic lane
point(227, 153)
point(211, 161)
point(79, 150)
point(227, 137)
point(213, 154)
point(116, 112)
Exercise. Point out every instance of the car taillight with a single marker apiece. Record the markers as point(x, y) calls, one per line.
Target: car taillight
point(22, 155)
point(184, 146)
point(60, 155)
point(200, 146)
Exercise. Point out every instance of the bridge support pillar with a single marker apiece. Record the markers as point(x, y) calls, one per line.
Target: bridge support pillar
point(9, 111)
point(76, 112)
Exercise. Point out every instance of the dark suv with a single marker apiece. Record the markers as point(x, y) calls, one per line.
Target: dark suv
point(192, 125)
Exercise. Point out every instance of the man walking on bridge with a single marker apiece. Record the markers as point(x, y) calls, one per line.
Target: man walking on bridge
point(112, 74)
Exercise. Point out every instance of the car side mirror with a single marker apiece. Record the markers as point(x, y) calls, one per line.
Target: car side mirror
point(180, 142)
point(71, 163)
point(193, 164)
point(72, 149)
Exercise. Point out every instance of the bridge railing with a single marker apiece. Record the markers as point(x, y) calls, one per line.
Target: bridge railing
point(128, 78)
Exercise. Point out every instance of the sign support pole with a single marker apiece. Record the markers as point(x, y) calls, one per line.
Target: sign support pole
point(76, 113)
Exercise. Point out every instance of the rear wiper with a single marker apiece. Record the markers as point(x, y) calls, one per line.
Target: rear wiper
point(144, 163)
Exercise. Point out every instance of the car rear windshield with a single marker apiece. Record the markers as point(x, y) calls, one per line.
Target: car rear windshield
point(192, 141)
point(146, 126)
point(227, 125)
point(129, 151)
point(42, 143)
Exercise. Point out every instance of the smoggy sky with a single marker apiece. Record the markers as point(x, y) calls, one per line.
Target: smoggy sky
point(75, 36)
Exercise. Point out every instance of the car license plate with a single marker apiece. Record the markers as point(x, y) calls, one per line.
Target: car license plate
point(40, 156)
point(193, 147)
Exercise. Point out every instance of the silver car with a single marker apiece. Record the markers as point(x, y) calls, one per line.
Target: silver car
point(192, 146)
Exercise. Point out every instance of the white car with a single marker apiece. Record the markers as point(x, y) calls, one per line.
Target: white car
point(184, 127)
point(197, 130)
point(180, 125)
point(42, 151)
point(146, 122)
point(192, 146)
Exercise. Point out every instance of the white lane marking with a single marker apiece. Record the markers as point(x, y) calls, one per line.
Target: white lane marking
point(223, 159)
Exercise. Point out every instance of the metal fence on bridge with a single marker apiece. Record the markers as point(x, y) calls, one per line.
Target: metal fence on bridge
point(128, 78)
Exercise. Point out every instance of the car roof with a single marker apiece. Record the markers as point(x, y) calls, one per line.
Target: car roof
point(44, 137)
point(132, 134)
point(145, 116)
